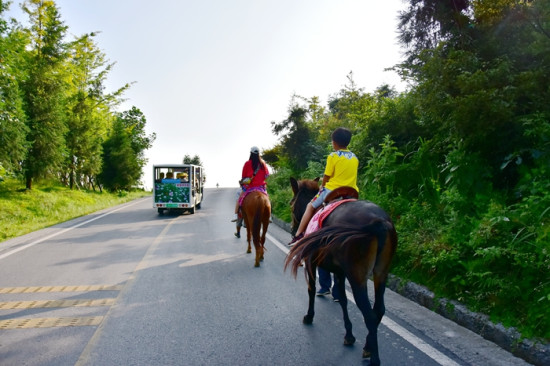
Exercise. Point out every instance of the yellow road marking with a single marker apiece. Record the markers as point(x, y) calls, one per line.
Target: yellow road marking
point(36, 289)
point(21, 323)
point(49, 322)
point(54, 303)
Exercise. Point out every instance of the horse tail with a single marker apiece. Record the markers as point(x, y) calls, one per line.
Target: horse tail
point(314, 248)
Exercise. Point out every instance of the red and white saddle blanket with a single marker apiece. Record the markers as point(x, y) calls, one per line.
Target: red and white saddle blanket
point(316, 221)
point(261, 189)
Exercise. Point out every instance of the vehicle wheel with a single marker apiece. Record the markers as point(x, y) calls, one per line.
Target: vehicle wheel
point(192, 210)
point(161, 211)
point(199, 205)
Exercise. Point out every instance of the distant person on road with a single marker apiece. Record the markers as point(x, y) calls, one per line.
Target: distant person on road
point(253, 178)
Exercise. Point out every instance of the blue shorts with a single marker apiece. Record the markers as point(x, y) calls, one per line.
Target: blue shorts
point(319, 198)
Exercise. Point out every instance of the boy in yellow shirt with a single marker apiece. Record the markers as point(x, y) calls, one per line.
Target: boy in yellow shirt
point(340, 171)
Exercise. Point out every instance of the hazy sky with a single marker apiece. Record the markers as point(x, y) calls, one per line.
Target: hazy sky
point(211, 75)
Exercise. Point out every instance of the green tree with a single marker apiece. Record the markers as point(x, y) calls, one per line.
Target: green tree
point(428, 23)
point(121, 168)
point(134, 123)
point(88, 110)
point(13, 129)
point(124, 151)
point(297, 140)
point(480, 93)
point(196, 160)
point(44, 91)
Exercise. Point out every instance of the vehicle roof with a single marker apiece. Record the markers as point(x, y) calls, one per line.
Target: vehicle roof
point(175, 165)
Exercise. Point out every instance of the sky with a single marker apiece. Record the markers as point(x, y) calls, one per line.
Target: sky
point(211, 76)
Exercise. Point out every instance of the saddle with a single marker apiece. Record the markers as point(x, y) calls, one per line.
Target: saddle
point(342, 193)
point(334, 199)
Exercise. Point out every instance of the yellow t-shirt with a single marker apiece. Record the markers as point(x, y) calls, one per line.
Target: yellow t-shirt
point(342, 169)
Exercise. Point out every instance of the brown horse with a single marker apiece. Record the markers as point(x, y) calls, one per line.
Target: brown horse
point(256, 212)
point(357, 239)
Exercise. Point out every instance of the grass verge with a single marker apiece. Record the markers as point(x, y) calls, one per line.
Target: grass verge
point(23, 211)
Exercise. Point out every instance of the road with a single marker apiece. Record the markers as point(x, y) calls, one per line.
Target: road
point(126, 286)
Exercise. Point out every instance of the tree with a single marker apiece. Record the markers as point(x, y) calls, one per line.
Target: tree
point(134, 123)
point(124, 151)
point(427, 23)
point(479, 89)
point(121, 168)
point(13, 129)
point(44, 91)
point(88, 110)
point(297, 139)
point(196, 160)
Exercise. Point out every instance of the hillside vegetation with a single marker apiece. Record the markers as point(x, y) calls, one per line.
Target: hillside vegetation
point(461, 160)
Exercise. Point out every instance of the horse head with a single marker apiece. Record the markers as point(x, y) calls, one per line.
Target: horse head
point(304, 190)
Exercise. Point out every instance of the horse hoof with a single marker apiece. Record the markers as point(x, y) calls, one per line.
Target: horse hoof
point(256, 264)
point(307, 319)
point(366, 354)
point(249, 251)
point(349, 341)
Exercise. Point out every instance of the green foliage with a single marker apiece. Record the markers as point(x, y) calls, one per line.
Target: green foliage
point(44, 91)
point(13, 130)
point(381, 169)
point(87, 118)
point(2, 173)
point(196, 160)
point(280, 193)
point(462, 164)
point(134, 123)
point(54, 115)
point(297, 141)
point(121, 169)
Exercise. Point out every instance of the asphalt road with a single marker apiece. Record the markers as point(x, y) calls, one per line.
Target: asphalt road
point(126, 286)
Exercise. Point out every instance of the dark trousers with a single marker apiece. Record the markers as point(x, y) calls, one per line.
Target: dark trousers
point(325, 280)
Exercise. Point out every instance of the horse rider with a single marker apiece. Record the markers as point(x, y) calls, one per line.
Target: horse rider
point(253, 178)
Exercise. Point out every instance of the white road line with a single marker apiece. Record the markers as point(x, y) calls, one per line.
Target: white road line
point(424, 347)
point(284, 248)
point(7, 254)
point(415, 341)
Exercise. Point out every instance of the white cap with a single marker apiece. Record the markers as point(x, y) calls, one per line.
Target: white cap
point(254, 150)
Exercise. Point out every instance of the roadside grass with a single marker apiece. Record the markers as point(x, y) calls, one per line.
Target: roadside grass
point(23, 211)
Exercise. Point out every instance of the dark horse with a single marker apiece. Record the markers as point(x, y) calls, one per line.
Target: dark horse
point(256, 212)
point(357, 239)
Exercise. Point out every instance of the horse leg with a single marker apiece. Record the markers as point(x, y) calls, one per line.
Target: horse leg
point(308, 318)
point(259, 255)
point(255, 226)
point(257, 248)
point(340, 283)
point(360, 294)
point(264, 224)
point(380, 275)
point(248, 234)
point(379, 308)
